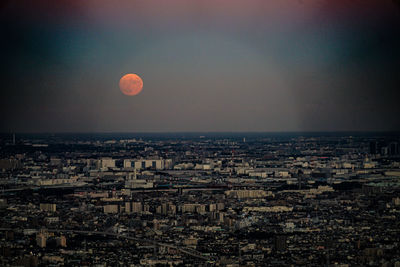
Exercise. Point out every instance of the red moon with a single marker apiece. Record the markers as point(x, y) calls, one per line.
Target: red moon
point(131, 84)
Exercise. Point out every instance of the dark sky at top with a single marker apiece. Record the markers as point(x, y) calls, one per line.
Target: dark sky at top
point(211, 65)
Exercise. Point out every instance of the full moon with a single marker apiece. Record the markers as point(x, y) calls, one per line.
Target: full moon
point(131, 84)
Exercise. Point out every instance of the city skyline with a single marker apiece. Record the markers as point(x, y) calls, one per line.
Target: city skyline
point(195, 200)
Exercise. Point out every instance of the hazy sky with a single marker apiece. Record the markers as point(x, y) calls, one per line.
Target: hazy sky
point(207, 65)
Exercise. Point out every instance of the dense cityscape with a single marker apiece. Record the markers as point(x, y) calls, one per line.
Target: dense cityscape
point(200, 199)
point(200, 133)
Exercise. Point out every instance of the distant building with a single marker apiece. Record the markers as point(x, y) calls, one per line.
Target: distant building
point(107, 163)
point(155, 164)
point(280, 243)
point(110, 208)
point(128, 208)
point(41, 240)
point(62, 241)
point(138, 183)
point(247, 193)
point(171, 209)
point(190, 242)
point(212, 207)
point(3, 203)
point(136, 207)
point(10, 164)
point(50, 220)
point(373, 147)
point(48, 207)
point(133, 207)
point(189, 208)
point(393, 148)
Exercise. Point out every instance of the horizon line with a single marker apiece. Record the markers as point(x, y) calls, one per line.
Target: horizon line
point(202, 132)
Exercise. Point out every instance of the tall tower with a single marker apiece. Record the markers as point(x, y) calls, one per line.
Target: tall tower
point(14, 139)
